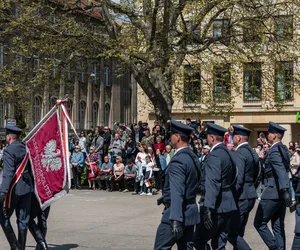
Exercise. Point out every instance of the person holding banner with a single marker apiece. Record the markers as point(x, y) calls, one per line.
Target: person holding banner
point(16, 189)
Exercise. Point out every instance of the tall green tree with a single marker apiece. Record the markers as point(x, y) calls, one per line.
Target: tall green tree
point(155, 39)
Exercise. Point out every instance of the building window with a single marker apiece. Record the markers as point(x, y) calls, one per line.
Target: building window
point(37, 110)
point(106, 76)
point(192, 84)
point(69, 106)
point(81, 72)
point(284, 84)
point(1, 56)
point(82, 111)
point(252, 30)
point(252, 82)
point(283, 28)
point(106, 114)
point(95, 113)
point(52, 102)
point(221, 30)
point(222, 80)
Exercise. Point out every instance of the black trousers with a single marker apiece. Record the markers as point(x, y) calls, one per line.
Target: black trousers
point(21, 205)
point(218, 235)
point(130, 182)
point(157, 178)
point(120, 181)
point(76, 176)
point(104, 178)
point(164, 239)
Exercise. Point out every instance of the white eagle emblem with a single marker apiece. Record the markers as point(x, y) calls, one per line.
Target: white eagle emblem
point(51, 157)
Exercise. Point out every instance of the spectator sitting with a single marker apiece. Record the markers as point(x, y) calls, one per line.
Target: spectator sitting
point(77, 162)
point(129, 175)
point(118, 174)
point(147, 139)
point(148, 176)
point(169, 154)
point(92, 167)
point(105, 174)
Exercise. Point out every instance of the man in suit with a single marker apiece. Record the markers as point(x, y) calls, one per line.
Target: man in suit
point(247, 163)
point(179, 197)
point(13, 156)
point(276, 195)
point(217, 202)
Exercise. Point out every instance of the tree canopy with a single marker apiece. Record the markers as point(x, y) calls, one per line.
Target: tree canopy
point(162, 42)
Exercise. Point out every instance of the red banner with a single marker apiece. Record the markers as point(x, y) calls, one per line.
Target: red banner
point(48, 160)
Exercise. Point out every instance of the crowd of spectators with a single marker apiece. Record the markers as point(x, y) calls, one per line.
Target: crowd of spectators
point(135, 157)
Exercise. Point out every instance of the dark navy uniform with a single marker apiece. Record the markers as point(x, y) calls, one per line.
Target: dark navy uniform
point(39, 229)
point(179, 196)
point(218, 203)
point(275, 196)
point(246, 161)
point(296, 242)
point(13, 155)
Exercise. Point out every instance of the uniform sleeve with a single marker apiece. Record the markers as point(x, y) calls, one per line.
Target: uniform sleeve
point(213, 183)
point(241, 165)
point(279, 168)
point(177, 189)
point(8, 171)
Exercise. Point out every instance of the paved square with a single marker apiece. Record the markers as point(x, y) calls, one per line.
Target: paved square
point(100, 220)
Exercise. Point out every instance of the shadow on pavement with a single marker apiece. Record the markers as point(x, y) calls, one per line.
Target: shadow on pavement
point(62, 247)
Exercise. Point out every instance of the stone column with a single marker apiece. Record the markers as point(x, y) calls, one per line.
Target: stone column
point(288, 133)
point(102, 95)
point(89, 103)
point(61, 87)
point(76, 103)
point(115, 97)
point(133, 98)
point(46, 101)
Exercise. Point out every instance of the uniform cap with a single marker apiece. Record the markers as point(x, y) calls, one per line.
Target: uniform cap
point(275, 128)
point(180, 128)
point(239, 130)
point(13, 130)
point(215, 129)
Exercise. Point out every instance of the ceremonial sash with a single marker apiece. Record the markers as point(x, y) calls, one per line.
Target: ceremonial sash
point(15, 179)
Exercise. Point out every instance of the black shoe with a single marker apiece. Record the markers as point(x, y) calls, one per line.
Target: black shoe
point(42, 246)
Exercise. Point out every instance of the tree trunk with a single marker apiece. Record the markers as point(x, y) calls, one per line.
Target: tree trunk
point(159, 91)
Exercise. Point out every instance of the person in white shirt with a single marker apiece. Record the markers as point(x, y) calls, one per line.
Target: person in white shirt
point(148, 176)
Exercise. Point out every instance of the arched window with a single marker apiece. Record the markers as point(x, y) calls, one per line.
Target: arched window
point(106, 114)
point(69, 106)
point(37, 110)
point(82, 111)
point(95, 113)
point(52, 102)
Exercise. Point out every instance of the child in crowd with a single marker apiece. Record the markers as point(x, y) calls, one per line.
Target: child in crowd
point(148, 176)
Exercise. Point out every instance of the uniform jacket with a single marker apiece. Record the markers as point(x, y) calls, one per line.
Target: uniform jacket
point(274, 165)
point(219, 174)
point(13, 156)
point(245, 159)
point(180, 186)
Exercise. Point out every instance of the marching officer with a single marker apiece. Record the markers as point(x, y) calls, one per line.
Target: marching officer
point(20, 196)
point(39, 229)
point(276, 195)
point(296, 242)
point(247, 163)
point(217, 201)
point(179, 197)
